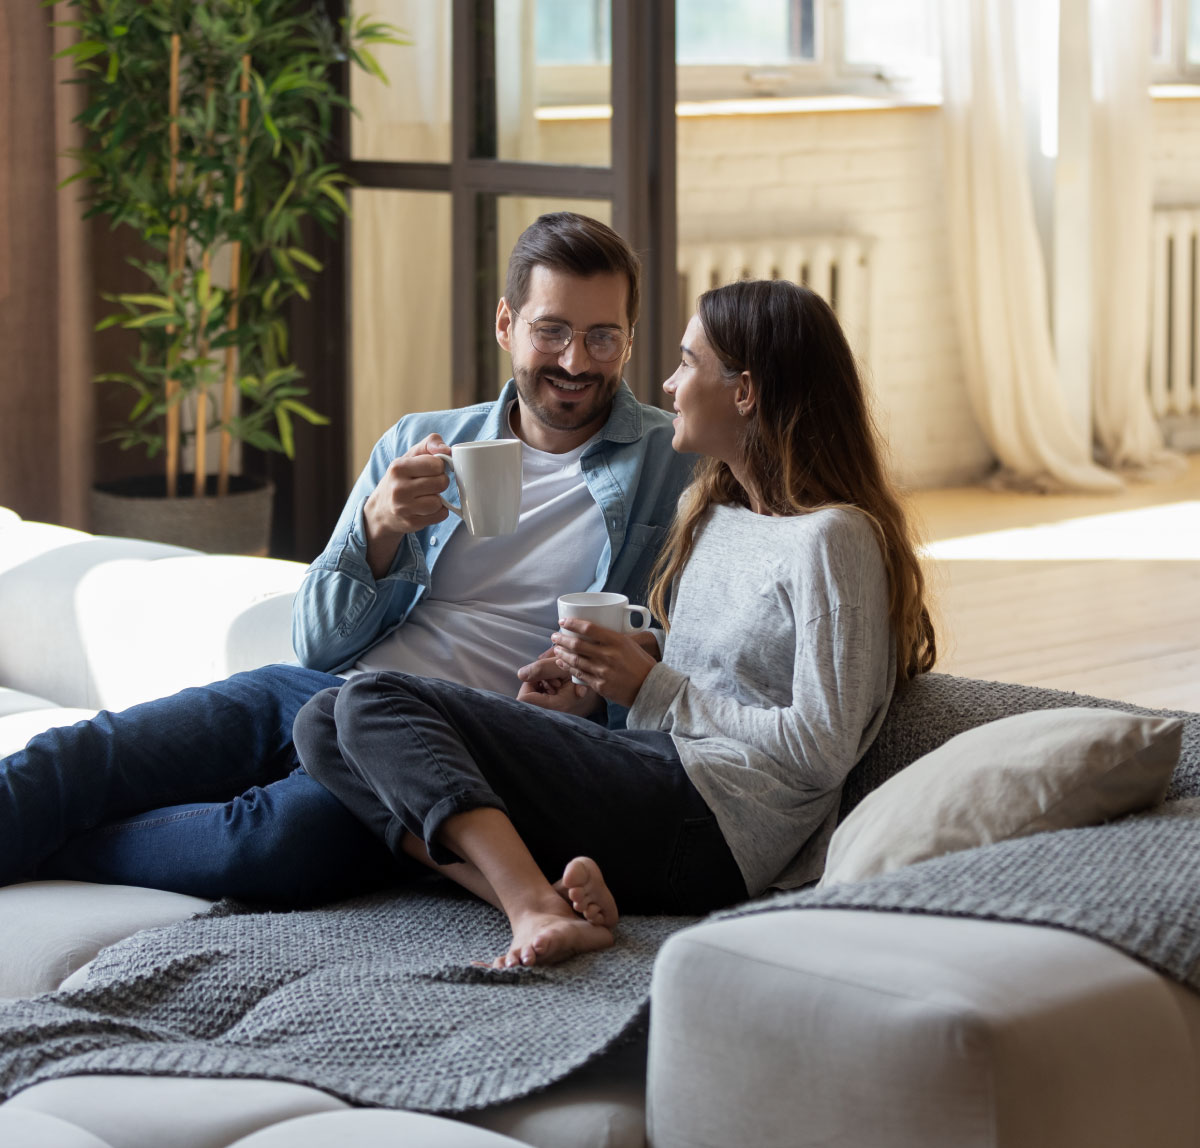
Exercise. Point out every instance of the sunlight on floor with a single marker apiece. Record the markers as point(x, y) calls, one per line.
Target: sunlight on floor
point(1156, 533)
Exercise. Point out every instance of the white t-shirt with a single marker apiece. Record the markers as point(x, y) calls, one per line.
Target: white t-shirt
point(492, 602)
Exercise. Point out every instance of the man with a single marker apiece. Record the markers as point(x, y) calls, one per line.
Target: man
point(400, 586)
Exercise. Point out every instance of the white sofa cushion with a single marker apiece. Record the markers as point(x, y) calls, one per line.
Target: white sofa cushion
point(108, 622)
point(374, 1128)
point(18, 727)
point(915, 1031)
point(51, 928)
point(157, 1111)
point(23, 1128)
point(41, 567)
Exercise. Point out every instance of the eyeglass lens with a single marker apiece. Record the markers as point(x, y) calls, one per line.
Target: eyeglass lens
point(602, 344)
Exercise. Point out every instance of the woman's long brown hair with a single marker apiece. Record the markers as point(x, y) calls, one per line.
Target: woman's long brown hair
point(810, 444)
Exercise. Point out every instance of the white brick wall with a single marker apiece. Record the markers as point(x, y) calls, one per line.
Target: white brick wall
point(877, 173)
point(1176, 152)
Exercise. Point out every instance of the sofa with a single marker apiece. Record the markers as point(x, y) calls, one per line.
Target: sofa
point(815, 1027)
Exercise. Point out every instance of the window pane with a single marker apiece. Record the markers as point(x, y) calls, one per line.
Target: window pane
point(409, 117)
point(899, 36)
point(744, 31)
point(1193, 32)
point(574, 32)
point(553, 77)
point(400, 333)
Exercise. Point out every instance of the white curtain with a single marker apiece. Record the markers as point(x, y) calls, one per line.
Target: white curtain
point(998, 270)
point(1127, 434)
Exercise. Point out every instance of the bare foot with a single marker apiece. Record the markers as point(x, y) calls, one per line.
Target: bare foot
point(582, 886)
point(551, 935)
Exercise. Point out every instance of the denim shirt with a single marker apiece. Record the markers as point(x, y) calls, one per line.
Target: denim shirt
point(634, 475)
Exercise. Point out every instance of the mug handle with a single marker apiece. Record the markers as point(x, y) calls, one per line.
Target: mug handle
point(449, 464)
point(630, 610)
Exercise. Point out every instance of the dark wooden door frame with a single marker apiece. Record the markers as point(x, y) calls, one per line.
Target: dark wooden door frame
point(640, 184)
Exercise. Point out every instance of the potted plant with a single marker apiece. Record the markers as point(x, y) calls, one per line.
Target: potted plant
point(207, 131)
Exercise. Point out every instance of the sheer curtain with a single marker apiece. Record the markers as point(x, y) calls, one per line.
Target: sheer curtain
point(1127, 434)
point(999, 275)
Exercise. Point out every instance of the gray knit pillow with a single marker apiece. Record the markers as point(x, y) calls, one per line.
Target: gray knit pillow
point(1049, 769)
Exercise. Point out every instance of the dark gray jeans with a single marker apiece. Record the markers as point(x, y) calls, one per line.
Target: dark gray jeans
point(404, 753)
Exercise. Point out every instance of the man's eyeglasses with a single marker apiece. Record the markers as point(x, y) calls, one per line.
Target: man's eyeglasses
point(551, 337)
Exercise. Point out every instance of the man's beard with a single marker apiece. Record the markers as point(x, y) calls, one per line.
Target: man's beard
point(551, 411)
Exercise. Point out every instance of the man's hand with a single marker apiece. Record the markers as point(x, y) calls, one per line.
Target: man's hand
point(609, 662)
point(405, 500)
point(544, 684)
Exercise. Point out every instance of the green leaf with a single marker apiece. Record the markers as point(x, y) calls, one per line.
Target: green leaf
point(161, 302)
point(304, 259)
point(330, 190)
point(111, 75)
point(151, 319)
point(284, 422)
point(83, 50)
point(304, 412)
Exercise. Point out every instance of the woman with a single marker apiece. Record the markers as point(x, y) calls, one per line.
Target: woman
point(795, 607)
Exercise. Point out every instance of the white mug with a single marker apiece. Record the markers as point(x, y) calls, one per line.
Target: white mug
point(489, 485)
point(608, 609)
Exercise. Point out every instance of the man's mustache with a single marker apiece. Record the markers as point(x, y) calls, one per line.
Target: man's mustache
point(562, 376)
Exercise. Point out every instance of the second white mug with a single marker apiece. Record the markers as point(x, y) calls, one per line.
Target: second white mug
point(606, 608)
point(489, 485)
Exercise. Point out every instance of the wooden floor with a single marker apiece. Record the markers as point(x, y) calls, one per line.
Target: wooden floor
point(1098, 594)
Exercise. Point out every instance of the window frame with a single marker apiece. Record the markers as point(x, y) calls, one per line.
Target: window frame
point(1172, 66)
point(565, 85)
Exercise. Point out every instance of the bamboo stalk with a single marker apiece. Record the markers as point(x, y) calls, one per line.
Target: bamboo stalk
point(201, 478)
point(239, 188)
point(174, 266)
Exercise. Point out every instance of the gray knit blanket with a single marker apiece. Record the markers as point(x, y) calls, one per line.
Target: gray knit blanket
point(1133, 884)
point(376, 1000)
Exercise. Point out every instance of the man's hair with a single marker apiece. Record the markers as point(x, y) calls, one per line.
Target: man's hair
point(578, 245)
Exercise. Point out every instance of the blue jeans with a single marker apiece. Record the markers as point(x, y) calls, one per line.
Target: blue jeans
point(198, 793)
point(407, 753)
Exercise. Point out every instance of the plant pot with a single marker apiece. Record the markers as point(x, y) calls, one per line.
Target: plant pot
point(238, 523)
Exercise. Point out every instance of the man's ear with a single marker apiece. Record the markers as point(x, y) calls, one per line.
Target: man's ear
point(746, 395)
point(504, 324)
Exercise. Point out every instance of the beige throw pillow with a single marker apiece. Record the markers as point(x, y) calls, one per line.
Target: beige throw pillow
point(1049, 769)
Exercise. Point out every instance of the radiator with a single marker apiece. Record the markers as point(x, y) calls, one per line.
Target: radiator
point(836, 267)
point(1174, 375)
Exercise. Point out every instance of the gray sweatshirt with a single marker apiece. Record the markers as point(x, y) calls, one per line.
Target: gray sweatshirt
point(776, 676)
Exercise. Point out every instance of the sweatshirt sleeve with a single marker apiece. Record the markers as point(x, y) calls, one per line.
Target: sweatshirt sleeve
point(833, 698)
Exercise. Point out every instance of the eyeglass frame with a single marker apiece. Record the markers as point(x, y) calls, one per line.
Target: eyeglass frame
point(600, 327)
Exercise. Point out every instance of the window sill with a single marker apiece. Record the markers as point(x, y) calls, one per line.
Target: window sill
point(755, 106)
point(1175, 91)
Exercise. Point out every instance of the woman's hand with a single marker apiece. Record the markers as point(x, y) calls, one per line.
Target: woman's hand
point(609, 662)
point(544, 683)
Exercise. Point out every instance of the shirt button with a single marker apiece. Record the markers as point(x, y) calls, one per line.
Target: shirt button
point(433, 541)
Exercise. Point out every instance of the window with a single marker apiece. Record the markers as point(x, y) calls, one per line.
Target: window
point(737, 48)
point(1176, 40)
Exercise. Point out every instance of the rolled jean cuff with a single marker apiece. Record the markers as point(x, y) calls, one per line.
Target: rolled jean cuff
point(461, 802)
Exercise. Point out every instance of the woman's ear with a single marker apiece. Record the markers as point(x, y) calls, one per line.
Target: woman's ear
point(746, 395)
